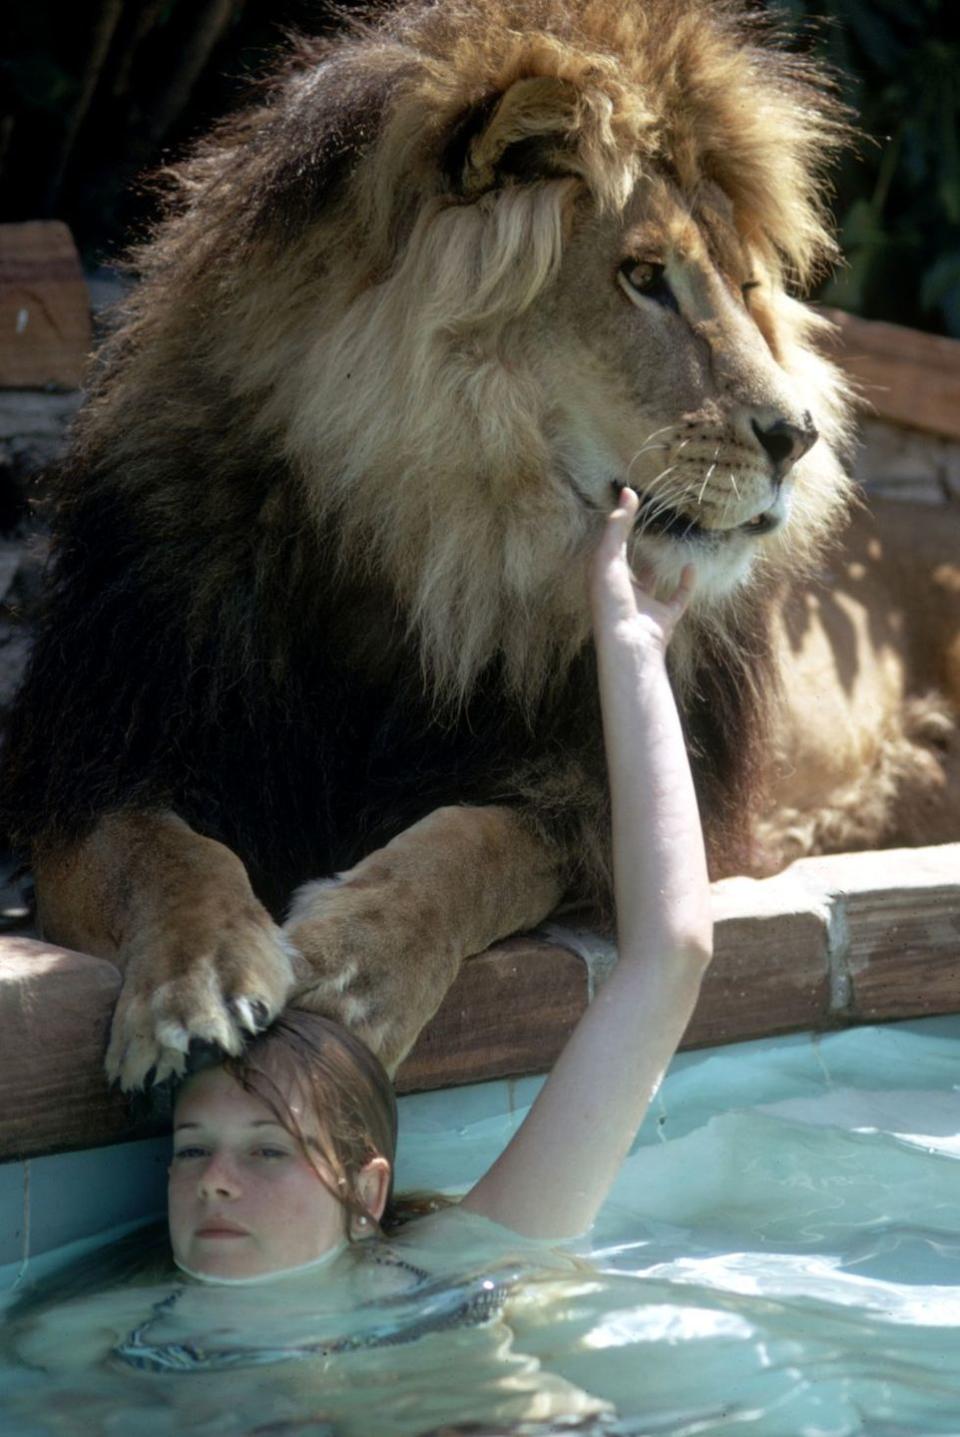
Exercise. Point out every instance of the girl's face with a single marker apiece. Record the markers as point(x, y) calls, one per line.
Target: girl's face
point(243, 1198)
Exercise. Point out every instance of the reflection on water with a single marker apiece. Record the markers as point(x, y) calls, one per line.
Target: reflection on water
point(779, 1270)
point(803, 1280)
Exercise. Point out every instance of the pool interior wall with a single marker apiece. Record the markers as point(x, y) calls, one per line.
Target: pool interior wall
point(446, 1136)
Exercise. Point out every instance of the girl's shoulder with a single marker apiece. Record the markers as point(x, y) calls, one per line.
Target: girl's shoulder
point(81, 1332)
point(453, 1236)
point(71, 1317)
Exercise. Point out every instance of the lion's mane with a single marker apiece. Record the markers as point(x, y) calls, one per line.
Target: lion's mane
point(310, 577)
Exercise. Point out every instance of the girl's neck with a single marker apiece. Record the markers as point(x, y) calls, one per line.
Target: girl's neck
point(277, 1275)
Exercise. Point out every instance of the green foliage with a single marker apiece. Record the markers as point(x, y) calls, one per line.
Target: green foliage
point(76, 129)
point(898, 198)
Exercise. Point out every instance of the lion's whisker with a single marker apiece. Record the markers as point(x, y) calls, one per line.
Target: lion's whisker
point(662, 430)
point(663, 474)
point(647, 449)
point(652, 512)
point(703, 486)
point(647, 446)
point(640, 452)
point(649, 511)
point(706, 481)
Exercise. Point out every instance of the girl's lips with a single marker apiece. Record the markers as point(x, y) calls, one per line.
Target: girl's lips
point(221, 1229)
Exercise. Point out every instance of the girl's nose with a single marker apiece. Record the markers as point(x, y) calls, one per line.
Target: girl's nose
point(218, 1178)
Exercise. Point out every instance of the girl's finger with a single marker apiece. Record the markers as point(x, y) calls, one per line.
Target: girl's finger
point(625, 509)
point(619, 523)
point(683, 593)
point(629, 501)
point(646, 578)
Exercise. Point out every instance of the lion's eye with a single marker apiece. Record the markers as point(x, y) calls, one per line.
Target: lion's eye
point(644, 274)
point(648, 278)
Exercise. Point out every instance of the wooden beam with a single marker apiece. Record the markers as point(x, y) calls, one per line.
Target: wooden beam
point(55, 1011)
point(509, 1012)
point(835, 940)
point(906, 376)
point(45, 327)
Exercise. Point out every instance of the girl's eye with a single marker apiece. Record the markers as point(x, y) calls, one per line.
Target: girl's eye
point(270, 1153)
point(182, 1154)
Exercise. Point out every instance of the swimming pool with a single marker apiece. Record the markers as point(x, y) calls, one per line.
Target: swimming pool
point(780, 1256)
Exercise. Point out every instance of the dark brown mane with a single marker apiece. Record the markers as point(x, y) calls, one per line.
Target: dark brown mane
point(253, 614)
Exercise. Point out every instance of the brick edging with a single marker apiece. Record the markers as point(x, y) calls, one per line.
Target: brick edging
point(849, 939)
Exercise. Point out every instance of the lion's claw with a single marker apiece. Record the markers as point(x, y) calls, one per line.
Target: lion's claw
point(251, 1014)
point(219, 999)
point(203, 1055)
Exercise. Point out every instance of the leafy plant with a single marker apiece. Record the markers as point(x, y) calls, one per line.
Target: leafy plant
point(97, 93)
point(898, 197)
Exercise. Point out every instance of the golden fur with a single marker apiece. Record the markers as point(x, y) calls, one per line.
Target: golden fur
point(864, 749)
point(403, 356)
point(406, 326)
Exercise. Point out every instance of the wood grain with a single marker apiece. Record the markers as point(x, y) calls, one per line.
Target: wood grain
point(900, 912)
point(771, 967)
point(906, 376)
point(45, 326)
point(508, 1012)
point(55, 1009)
point(847, 939)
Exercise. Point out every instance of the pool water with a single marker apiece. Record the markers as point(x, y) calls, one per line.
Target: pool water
point(780, 1256)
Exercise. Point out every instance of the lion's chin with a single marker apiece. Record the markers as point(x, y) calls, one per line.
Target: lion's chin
point(672, 524)
point(724, 558)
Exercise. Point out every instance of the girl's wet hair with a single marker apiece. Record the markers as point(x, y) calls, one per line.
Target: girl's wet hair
point(339, 1081)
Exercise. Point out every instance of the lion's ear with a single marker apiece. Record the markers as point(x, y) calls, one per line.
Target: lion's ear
point(526, 133)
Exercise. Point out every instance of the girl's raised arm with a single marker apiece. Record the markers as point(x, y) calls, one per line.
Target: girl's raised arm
point(561, 1163)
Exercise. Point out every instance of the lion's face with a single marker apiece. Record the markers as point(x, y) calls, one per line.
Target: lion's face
point(527, 356)
point(551, 269)
point(659, 349)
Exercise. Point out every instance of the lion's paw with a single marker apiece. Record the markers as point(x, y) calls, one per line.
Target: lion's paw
point(224, 994)
point(367, 1001)
point(372, 959)
point(382, 1000)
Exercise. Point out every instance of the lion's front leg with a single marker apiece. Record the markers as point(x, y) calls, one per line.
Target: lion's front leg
point(385, 940)
point(202, 958)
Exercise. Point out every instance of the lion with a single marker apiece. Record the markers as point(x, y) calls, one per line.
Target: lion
point(312, 709)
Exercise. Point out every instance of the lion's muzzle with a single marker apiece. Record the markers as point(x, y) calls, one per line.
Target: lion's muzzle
point(785, 443)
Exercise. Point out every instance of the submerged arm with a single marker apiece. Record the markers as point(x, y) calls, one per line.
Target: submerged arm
point(560, 1165)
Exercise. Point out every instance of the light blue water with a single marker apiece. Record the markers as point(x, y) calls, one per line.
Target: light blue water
point(780, 1257)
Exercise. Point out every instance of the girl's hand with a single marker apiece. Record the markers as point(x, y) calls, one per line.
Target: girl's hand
point(561, 1163)
point(619, 598)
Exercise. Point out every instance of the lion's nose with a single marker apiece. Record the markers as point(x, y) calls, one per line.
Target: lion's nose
point(784, 442)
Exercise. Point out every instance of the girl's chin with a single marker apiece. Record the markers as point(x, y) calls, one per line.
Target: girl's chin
point(208, 1259)
point(229, 1258)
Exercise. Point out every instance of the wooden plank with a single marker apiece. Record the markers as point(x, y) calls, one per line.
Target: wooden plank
point(900, 918)
point(45, 327)
point(906, 376)
point(771, 966)
point(55, 1010)
point(851, 938)
point(904, 956)
point(509, 1012)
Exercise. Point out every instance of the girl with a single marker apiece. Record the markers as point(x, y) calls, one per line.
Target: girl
point(283, 1157)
